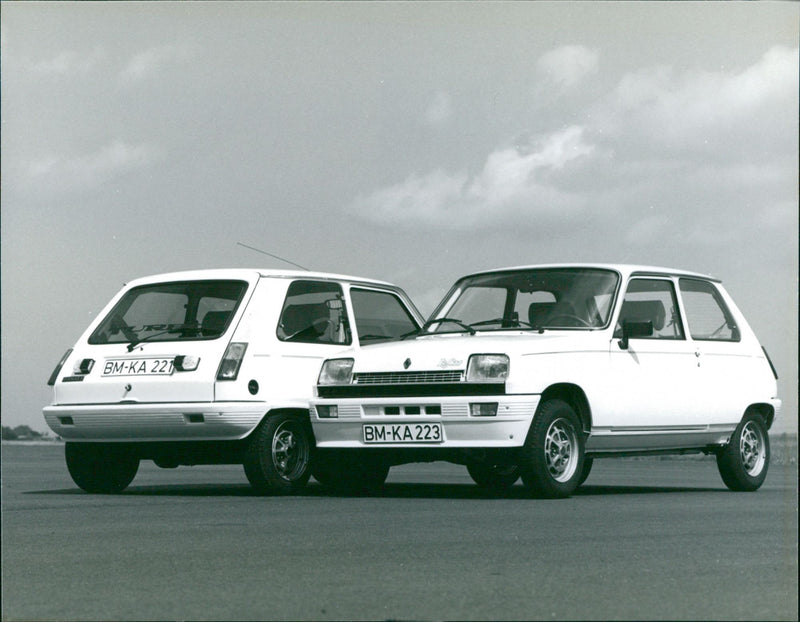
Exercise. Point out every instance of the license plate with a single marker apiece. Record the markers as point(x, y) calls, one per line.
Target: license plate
point(138, 367)
point(403, 433)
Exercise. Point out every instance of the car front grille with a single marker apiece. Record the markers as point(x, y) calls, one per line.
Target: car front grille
point(409, 377)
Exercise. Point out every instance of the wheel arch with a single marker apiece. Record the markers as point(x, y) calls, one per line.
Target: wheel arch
point(294, 411)
point(573, 395)
point(301, 413)
point(767, 412)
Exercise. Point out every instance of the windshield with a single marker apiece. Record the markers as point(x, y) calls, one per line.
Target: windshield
point(171, 312)
point(534, 299)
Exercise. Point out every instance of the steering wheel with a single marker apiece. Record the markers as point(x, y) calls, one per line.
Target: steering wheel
point(318, 326)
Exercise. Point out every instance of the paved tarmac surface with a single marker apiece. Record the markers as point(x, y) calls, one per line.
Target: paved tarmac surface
point(643, 539)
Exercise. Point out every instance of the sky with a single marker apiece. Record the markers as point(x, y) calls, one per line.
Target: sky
point(409, 142)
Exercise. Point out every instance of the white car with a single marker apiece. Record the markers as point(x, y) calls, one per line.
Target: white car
point(212, 367)
point(536, 371)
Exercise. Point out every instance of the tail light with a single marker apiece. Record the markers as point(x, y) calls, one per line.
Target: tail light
point(771, 366)
point(57, 370)
point(231, 361)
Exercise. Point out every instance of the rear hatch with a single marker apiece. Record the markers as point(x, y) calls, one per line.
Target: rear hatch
point(160, 342)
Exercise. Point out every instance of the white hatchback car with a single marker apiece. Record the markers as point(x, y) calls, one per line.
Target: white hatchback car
point(536, 371)
point(212, 367)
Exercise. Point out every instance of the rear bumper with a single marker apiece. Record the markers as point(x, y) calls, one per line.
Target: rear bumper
point(460, 430)
point(210, 421)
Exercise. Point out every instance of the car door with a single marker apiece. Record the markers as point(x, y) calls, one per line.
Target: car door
point(724, 367)
point(652, 379)
point(313, 325)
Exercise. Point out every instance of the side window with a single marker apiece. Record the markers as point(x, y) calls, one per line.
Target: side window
point(708, 317)
point(314, 312)
point(380, 315)
point(652, 300)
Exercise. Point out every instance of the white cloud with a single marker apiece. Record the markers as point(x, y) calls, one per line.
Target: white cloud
point(440, 110)
point(701, 138)
point(68, 63)
point(511, 182)
point(569, 64)
point(59, 173)
point(701, 108)
point(149, 62)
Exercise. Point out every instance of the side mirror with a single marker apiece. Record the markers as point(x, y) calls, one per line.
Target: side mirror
point(634, 330)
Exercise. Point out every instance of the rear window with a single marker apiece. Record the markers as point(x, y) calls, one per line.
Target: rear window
point(176, 311)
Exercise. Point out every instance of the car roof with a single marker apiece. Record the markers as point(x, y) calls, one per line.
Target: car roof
point(624, 269)
point(252, 273)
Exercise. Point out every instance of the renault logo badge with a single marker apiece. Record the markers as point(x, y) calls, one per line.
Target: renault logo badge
point(406, 363)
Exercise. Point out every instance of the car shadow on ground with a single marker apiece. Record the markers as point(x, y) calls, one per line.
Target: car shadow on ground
point(403, 490)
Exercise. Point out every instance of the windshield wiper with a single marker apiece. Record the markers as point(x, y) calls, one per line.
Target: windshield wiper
point(178, 328)
point(374, 337)
point(119, 325)
point(430, 323)
point(412, 333)
point(503, 320)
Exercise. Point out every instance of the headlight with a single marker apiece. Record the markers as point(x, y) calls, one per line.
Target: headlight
point(487, 368)
point(336, 371)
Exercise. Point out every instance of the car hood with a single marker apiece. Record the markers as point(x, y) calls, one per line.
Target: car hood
point(452, 351)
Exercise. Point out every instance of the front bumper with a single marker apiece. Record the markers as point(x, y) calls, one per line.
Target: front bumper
point(460, 429)
point(195, 421)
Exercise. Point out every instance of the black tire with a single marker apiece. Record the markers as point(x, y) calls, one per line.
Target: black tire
point(100, 468)
point(493, 476)
point(744, 462)
point(278, 457)
point(552, 458)
point(587, 468)
point(350, 474)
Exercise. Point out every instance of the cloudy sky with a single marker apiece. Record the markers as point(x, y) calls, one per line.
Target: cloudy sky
point(410, 142)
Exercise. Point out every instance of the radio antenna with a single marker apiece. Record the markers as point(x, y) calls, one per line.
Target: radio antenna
point(258, 250)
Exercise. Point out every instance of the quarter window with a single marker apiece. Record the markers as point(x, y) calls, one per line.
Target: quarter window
point(380, 315)
point(314, 312)
point(708, 317)
point(652, 300)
